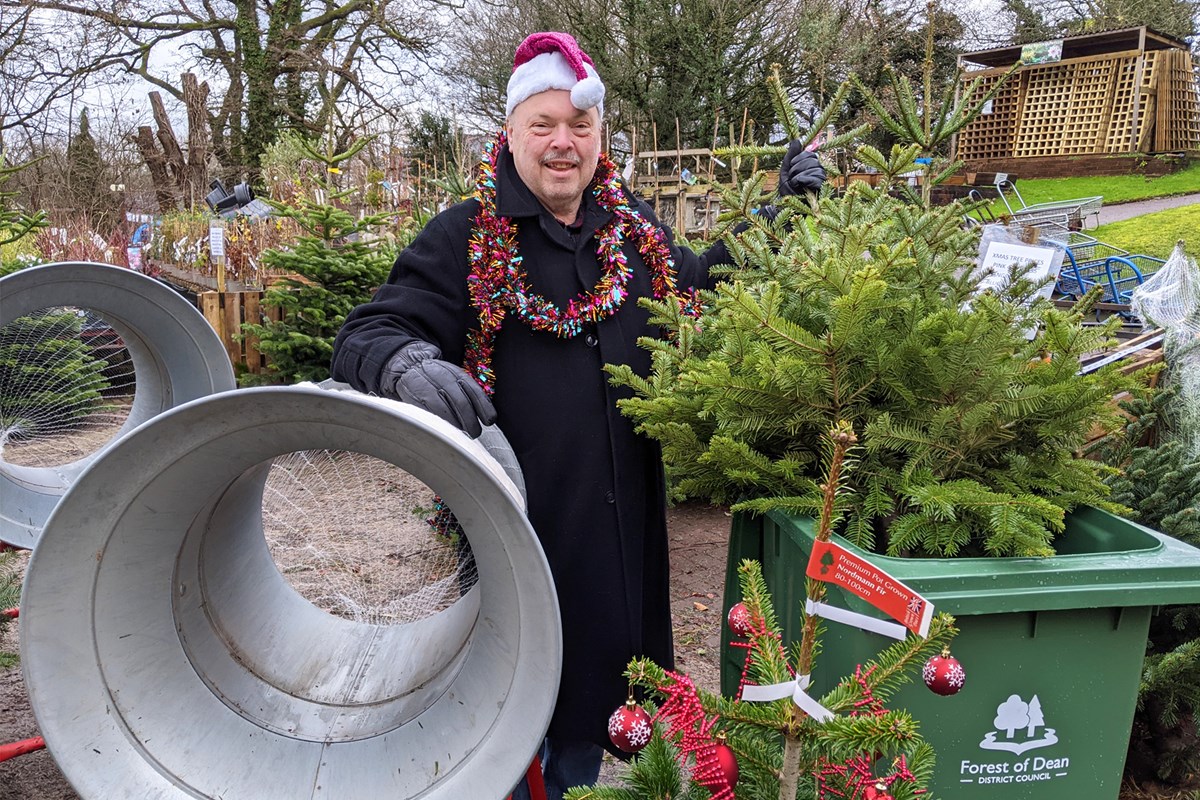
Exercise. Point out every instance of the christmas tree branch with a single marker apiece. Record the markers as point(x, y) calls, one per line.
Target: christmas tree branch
point(842, 438)
point(886, 672)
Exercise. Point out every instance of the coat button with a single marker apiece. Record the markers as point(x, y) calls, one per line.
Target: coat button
point(590, 340)
point(609, 497)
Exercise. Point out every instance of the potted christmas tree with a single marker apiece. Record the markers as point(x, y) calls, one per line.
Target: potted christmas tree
point(771, 739)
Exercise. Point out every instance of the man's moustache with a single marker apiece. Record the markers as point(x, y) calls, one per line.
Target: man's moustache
point(572, 157)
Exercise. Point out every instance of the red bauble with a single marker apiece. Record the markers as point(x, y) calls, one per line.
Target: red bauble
point(877, 792)
point(726, 762)
point(943, 674)
point(629, 727)
point(739, 619)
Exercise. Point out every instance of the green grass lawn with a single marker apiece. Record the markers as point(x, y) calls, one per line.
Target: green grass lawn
point(1155, 234)
point(1113, 188)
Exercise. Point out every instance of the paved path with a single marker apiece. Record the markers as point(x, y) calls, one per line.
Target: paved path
point(1116, 213)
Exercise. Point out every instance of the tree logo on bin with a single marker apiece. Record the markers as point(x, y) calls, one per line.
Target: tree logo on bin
point(1017, 725)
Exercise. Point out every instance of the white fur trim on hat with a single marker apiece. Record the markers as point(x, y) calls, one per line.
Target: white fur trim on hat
point(551, 71)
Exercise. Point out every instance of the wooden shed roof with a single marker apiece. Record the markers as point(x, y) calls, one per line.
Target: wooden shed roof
point(1091, 44)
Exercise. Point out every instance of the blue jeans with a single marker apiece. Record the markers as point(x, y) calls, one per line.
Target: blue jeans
point(564, 764)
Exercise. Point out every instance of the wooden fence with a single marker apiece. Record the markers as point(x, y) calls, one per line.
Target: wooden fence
point(227, 312)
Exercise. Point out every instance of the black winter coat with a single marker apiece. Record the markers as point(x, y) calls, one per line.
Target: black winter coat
point(595, 488)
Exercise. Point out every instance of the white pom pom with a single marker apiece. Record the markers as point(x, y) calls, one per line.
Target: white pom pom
point(587, 93)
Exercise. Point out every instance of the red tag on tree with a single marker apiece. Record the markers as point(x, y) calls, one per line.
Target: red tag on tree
point(834, 564)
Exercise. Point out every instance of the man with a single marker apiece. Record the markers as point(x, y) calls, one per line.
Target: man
point(505, 309)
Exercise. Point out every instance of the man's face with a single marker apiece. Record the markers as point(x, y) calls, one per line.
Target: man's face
point(556, 148)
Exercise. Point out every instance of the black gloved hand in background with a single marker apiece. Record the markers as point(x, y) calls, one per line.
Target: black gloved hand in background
point(800, 172)
point(416, 374)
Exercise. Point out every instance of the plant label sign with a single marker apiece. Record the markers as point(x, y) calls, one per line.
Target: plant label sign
point(1000, 257)
point(216, 241)
point(835, 564)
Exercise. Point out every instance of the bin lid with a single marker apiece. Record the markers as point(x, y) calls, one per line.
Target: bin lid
point(1103, 561)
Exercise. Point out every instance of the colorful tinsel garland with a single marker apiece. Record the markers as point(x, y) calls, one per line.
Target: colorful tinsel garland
point(497, 284)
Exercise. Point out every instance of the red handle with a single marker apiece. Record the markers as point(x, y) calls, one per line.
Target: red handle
point(533, 776)
point(15, 749)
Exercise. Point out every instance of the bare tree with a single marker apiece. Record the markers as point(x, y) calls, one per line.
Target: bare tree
point(34, 77)
point(276, 64)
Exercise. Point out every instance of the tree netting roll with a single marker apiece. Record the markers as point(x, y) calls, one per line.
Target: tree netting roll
point(1170, 299)
point(182, 635)
point(87, 352)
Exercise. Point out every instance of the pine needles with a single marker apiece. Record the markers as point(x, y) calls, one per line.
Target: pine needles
point(864, 308)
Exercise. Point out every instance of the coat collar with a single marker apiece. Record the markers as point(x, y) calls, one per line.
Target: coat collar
point(515, 200)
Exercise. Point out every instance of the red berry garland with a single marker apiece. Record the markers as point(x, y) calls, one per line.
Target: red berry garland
point(739, 619)
point(629, 727)
point(943, 674)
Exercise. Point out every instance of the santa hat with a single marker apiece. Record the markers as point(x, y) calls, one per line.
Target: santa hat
point(554, 60)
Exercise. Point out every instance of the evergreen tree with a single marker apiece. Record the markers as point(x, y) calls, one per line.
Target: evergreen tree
point(865, 308)
point(782, 752)
point(15, 222)
point(87, 178)
point(336, 267)
point(1161, 485)
point(49, 381)
point(436, 141)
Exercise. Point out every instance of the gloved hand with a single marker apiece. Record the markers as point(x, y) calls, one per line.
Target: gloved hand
point(800, 172)
point(416, 374)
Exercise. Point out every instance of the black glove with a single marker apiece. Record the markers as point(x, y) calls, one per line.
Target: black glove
point(800, 172)
point(416, 374)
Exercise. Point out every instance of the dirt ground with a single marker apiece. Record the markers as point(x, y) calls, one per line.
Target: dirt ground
point(698, 538)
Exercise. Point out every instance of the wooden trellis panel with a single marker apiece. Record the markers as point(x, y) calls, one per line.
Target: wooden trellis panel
point(1122, 136)
point(1048, 93)
point(990, 135)
point(1118, 102)
point(1090, 107)
point(1178, 105)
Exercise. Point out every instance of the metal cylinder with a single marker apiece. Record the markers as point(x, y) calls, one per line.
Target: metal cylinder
point(176, 357)
point(167, 657)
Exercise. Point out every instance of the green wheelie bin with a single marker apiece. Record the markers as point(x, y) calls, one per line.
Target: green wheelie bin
point(1052, 648)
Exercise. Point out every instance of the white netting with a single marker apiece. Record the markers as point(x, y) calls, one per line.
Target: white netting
point(1170, 299)
point(352, 534)
point(66, 386)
